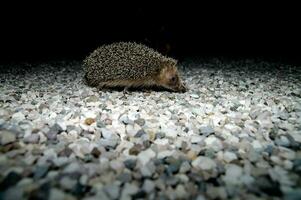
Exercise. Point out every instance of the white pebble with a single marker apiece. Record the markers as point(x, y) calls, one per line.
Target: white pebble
point(203, 163)
point(229, 156)
point(145, 156)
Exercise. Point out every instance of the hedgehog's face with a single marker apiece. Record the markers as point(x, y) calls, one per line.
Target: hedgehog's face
point(170, 79)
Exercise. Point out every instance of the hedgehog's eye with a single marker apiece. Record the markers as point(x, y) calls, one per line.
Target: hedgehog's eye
point(173, 79)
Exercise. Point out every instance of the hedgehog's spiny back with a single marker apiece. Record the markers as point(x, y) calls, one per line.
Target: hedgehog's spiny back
point(123, 61)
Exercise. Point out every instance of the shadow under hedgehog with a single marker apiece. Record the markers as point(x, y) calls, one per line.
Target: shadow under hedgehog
point(131, 65)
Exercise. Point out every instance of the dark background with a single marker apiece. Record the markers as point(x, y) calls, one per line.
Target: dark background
point(55, 31)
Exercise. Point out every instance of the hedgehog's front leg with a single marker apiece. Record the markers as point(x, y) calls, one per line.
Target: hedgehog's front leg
point(126, 90)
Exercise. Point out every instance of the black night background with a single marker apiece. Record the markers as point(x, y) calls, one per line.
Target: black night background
point(58, 31)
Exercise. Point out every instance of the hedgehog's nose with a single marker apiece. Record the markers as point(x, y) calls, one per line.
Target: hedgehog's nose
point(183, 88)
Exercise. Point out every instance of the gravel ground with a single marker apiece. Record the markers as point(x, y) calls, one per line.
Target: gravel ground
point(235, 134)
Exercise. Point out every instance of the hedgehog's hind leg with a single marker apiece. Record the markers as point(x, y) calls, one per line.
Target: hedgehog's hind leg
point(103, 86)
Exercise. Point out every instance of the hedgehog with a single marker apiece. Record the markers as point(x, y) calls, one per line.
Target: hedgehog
point(131, 65)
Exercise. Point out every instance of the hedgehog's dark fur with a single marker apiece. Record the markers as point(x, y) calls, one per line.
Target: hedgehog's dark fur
point(123, 61)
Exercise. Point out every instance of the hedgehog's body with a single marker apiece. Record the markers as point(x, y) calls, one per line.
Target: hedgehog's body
point(128, 65)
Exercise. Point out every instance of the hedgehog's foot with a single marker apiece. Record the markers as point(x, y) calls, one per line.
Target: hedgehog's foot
point(146, 90)
point(102, 87)
point(126, 90)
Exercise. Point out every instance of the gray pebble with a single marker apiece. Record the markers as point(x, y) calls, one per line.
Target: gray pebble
point(33, 138)
point(206, 130)
point(53, 131)
point(140, 133)
point(125, 177)
point(40, 171)
point(7, 137)
point(112, 190)
point(140, 121)
point(130, 164)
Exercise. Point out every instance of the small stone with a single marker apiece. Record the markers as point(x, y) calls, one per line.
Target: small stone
point(171, 133)
point(180, 192)
point(40, 171)
point(148, 169)
point(95, 152)
point(135, 150)
point(288, 165)
point(89, 121)
point(203, 163)
point(282, 141)
point(256, 145)
point(284, 115)
point(113, 191)
point(117, 165)
point(229, 156)
point(140, 121)
point(100, 123)
point(53, 131)
point(56, 194)
point(269, 149)
point(62, 124)
point(72, 168)
point(61, 161)
point(164, 154)
point(68, 183)
point(191, 155)
point(129, 190)
point(92, 99)
point(233, 174)
point(33, 139)
point(145, 156)
point(140, 133)
point(130, 164)
point(106, 133)
point(7, 137)
point(125, 177)
point(43, 106)
point(210, 153)
point(148, 186)
point(161, 142)
point(66, 152)
point(295, 145)
point(19, 116)
point(216, 193)
point(109, 143)
point(160, 135)
point(174, 167)
point(125, 119)
point(206, 130)
point(171, 180)
point(253, 155)
point(195, 96)
point(185, 167)
point(214, 143)
point(196, 139)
